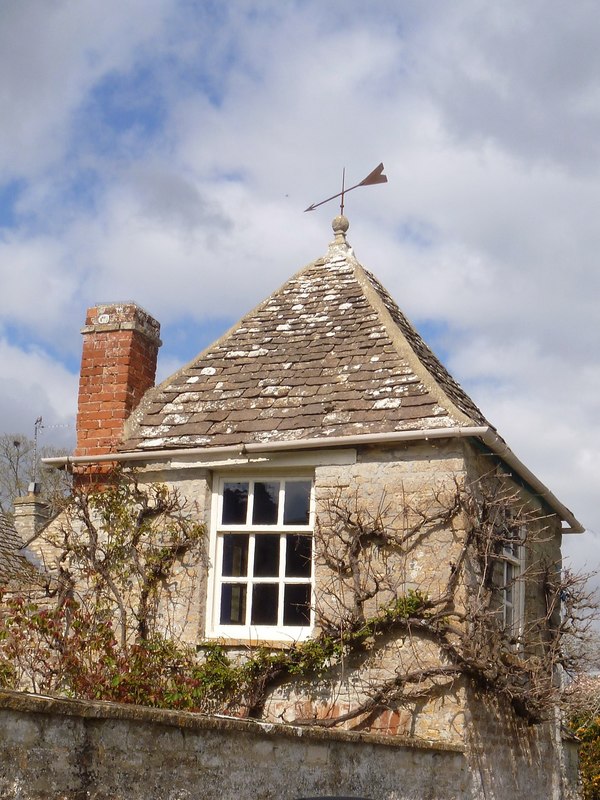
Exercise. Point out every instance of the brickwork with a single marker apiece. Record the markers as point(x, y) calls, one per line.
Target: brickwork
point(509, 758)
point(118, 366)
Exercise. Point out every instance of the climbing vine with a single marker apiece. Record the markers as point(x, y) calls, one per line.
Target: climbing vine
point(104, 629)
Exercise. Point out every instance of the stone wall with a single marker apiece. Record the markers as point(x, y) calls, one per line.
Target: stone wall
point(511, 759)
point(70, 750)
point(397, 485)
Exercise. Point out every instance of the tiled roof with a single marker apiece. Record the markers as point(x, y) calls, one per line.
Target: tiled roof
point(328, 354)
point(14, 567)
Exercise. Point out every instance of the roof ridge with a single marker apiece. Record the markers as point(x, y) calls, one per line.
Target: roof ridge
point(437, 375)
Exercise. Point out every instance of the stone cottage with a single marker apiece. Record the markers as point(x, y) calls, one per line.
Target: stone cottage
point(350, 487)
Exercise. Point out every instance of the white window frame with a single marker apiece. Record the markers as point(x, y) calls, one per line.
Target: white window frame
point(249, 632)
point(513, 589)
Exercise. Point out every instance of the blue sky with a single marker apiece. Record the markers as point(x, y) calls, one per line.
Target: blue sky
point(163, 151)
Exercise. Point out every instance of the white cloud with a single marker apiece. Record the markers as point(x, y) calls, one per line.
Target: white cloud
point(36, 287)
point(486, 117)
point(51, 55)
point(523, 75)
point(35, 384)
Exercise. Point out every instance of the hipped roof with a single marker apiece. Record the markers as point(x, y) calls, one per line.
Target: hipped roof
point(327, 360)
point(329, 354)
point(15, 569)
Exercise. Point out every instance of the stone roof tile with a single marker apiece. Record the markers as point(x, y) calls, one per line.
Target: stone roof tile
point(328, 354)
point(15, 569)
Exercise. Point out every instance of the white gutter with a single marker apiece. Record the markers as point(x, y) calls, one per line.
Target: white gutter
point(267, 447)
point(487, 435)
point(499, 447)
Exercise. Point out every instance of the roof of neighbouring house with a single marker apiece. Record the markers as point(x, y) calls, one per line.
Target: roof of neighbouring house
point(14, 566)
point(328, 354)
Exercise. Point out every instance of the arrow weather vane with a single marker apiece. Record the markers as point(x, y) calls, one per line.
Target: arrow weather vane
point(372, 178)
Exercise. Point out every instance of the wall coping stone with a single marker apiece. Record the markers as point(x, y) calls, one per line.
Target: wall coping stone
point(95, 709)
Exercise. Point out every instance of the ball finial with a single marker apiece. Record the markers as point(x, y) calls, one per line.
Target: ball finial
point(340, 225)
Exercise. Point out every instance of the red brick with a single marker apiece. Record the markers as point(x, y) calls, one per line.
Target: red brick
point(117, 368)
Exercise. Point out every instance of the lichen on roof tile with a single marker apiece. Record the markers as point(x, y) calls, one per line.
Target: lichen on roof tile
point(15, 569)
point(331, 332)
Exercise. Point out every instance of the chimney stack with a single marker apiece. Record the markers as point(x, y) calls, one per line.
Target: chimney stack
point(118, 365)
point(30, 513)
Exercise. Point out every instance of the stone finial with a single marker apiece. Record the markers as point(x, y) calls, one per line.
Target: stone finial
point(340, 227)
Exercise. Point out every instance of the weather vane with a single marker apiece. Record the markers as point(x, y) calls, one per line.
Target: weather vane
point(372, 178)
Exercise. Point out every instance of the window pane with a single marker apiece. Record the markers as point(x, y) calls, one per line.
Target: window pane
point(509, 617)
point(266, 503)
point(264, 604)
point(235, 503)
point(235, 554)
point(266, 555)
point(298, 553)
point(296, 509)
point(296, 604)
point(233, 604)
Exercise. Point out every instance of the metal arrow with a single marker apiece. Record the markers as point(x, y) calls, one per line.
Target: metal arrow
point(372, 178)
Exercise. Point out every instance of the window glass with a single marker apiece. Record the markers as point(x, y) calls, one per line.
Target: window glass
point(511, 591)
point(296, 508)
point(298, 556)
point(296, 604)
point(263, 558)
point(266, 503)
point(509, 616)
point(264, 604)
point(235, 554)
point(266, 555)
point(235, 503)
point(233, 604)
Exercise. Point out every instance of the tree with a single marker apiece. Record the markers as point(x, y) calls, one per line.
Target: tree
point(20, 465)
point(95, 632)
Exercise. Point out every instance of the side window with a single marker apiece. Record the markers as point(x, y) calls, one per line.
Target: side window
point(262, 552)
point(512, 589)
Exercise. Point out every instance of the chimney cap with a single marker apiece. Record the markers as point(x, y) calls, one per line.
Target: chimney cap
point(106, 317)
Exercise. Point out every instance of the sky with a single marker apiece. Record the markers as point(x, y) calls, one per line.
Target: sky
point(163, 151)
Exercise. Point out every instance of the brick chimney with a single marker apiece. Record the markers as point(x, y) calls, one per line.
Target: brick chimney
point(118, 365)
